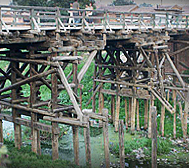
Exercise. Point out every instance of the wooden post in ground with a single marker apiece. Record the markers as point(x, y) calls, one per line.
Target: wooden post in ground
point(181, 117)
point(168, 95)
point(113, 109)
point(117, 108)
point(121, 145)
point(87, 142)
point(150, 118)
point(17, 127)
point(186, 110)
point(101, 101)
point(106, 138)
point(162, 122)
point(94, 87)
point(174, 119)
point(1, 129)
point(54, 96)
point(133, 110)
point(129, 118)
point(33, 115)
point(138, 116)
point(126, 114)
point(145, 114)
point(154, 136)
point(75, 130)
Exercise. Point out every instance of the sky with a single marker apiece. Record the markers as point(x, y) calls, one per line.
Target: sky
point(153, 2)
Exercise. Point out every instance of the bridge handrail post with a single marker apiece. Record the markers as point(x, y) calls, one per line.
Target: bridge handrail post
point(139, 21)
point(105, 18)
point(153, 20)
point(167, 20)
point(83, 19)
point(123, 21)
point(31, 21)
point(0, 19)
point(57, 16)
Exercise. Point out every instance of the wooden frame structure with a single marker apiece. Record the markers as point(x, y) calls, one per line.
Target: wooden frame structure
point(129, 49)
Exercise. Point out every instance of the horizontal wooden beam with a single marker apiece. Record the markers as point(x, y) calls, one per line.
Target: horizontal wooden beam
point(66, 58)
point(121, 83)
point(140, 94)
point(27, 123)
point(67, 121)
point(21, 107)
point(94, 115)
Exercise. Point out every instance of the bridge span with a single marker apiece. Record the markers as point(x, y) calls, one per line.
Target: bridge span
point(137, 57)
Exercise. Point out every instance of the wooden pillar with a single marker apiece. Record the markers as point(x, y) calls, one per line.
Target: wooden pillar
point(168, 95)
point(1, 130)
point(126, 114)
point(151, 98)
point(138, 116)
point(145, 114)
point(121, 145)
point(75, 130)
point(101, 101)
point(133, 110)
point(186, 111)
point(101, 96)
point(162, 122)
point(55, 135)
point(182, 119)
point(33, 115)
point(17, 127)
point(117, 108)
point(150, 117)
point(129, 119)
point(94, 87)
point(154, 136)
point(87, 142)
point(174, 118)
point(113, 109)
point(106, 138)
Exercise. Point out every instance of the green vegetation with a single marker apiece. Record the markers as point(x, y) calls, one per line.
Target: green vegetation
point(24, 158)
point(164, 146)
point(51, 3)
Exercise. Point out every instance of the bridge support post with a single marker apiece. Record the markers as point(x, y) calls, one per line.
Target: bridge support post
point(145, 114)
point(87, 142)
point(14, 95)
point(54, 96)
point(36, 147)
point(106, 138)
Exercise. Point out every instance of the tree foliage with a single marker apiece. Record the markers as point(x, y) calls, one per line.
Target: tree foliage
point(123, 2)
point(51, 3)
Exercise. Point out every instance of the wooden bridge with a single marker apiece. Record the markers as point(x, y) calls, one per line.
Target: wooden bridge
point(132, 57)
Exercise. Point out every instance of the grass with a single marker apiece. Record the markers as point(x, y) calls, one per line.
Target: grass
point(164, 146)
point(24, 158)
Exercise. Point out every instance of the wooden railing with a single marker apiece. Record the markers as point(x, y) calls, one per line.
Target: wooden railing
point(41, 18)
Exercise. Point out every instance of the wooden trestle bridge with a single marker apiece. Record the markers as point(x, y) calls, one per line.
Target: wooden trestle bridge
point(132, 54)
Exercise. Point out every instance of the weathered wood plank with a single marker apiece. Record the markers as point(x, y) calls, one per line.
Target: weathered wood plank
point(86, 66)
point(106, 138)
point(154, 136)
point(70, 92)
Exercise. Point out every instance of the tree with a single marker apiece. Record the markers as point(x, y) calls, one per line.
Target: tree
point(51, 3)
point(123, 2)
